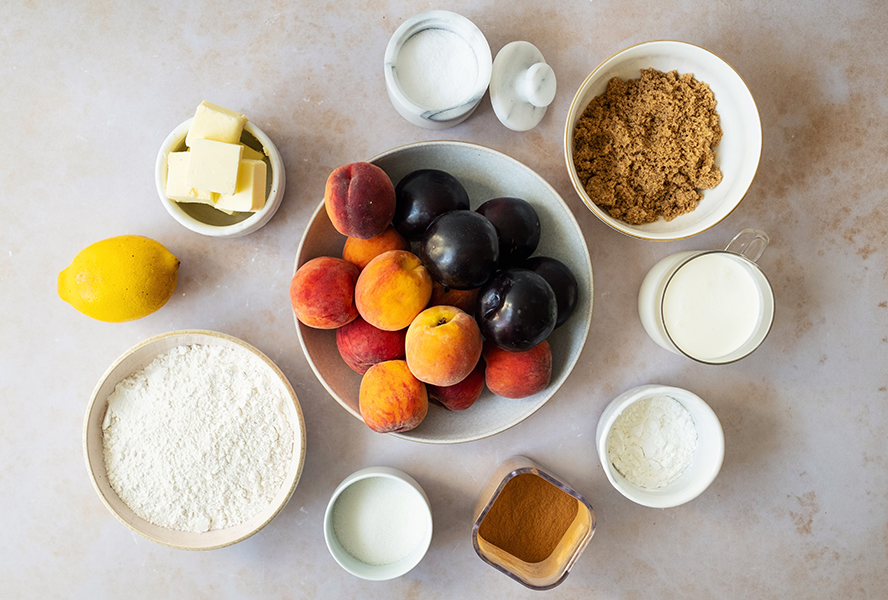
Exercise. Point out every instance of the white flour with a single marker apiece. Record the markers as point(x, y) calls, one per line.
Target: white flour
point(199, 439)
point(652, 441)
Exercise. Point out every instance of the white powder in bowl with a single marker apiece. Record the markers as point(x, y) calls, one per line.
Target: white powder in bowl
point(652, 441)
point(379, 520)
point(437, 69)
point(199, 439)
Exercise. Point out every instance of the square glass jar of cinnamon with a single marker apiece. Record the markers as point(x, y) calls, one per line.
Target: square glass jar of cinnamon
point(530, 524)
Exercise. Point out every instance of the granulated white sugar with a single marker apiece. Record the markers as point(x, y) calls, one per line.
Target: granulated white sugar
point(437, 69)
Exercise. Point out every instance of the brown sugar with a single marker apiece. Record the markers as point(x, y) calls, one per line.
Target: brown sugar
point(645, 148)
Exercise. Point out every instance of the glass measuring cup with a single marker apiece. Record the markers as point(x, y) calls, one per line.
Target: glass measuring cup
point(715, 306)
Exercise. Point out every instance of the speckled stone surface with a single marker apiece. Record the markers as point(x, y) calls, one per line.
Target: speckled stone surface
point(800, 508)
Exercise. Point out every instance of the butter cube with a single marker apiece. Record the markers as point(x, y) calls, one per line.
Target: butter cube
point(252, 154)
point(213, 166)
point(212, 122)
point(177, 187)
point(250, 194)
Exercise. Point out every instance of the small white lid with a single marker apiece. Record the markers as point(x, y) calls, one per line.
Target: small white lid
point(522, 86)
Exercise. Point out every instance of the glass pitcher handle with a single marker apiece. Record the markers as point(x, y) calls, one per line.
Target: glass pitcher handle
point(750, 243)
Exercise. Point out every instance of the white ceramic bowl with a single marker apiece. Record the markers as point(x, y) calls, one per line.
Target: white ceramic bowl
point(696, 478)
point(409, 108)
point(485, 174)
point(413, 494)
point(203, 218)
point(132, 361)
point(737, 155)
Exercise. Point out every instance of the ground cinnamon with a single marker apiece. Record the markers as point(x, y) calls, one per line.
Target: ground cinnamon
point(529, 518)
point(645, 148)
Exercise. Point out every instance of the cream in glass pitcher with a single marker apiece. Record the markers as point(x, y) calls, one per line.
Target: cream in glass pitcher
point(715, 307)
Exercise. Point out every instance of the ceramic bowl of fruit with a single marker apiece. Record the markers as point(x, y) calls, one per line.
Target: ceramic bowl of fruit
point(442, 291)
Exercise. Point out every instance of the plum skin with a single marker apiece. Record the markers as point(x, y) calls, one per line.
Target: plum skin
point(516, 310)
point(561, 278)
point(423, 195)
point(517, 226)
point(460, 250)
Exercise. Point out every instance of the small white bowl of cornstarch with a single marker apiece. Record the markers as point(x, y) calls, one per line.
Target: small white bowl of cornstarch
point(660, 446)
point(194, 439)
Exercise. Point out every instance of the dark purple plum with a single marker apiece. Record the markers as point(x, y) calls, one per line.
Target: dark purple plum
point(562, 281)
point(517, 225)
point(460, 250)
point(516, 310)
point(424, 195)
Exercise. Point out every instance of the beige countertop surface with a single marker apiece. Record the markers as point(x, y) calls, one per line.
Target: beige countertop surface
point(88, 92)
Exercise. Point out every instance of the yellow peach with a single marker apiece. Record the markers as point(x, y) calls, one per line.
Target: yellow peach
point(391, 399)
point(360, 252)
point(392, 289)
point(443, 345)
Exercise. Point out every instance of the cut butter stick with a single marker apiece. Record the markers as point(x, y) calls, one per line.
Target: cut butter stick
point(177, 187)
point(213, 166)
point(250, 194)
point(212, 122)
point(252, 154)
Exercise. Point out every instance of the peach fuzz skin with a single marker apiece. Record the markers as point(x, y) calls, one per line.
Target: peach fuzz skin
point(361, 345)
point(464, 299)
point(322, 292)
point(391, 399)
point(360, 200)
point(360, 252)
point(443, 345)
point(462, 395)
point(392, 289)
point(517, 374)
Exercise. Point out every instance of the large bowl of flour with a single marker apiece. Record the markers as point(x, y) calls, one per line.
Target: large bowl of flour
point(194, 439)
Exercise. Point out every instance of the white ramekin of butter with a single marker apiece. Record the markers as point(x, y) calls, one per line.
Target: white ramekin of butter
point(218, 174)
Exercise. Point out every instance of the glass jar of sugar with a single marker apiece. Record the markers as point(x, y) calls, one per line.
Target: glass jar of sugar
point(437, 69)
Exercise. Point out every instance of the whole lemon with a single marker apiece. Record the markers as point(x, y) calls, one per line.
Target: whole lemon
point(122, 278)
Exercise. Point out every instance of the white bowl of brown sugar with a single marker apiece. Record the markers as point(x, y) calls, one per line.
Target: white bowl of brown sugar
point(662, 140)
